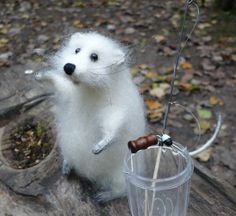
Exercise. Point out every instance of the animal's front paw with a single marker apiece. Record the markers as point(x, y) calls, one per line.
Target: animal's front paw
point(66, 168)
point(100, 146)
point(97, 149)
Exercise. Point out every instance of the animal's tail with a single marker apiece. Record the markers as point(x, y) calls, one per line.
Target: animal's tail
point(211, 140)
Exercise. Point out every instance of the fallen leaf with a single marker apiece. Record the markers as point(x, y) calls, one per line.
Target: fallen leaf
point(207, 38)
point(204, 113)
point(164, 86)
point(233, 57)
point(189, 87)
point(155, 116)
point(175, 20)
point(186, 66)
point(160, 39)
point(204, 156)
point(129, 30)
point(159, 90)
point(143, 88)
point(158, 15)
point(204, 127)
point(143, 66)
point(203, 25)
point(4, 63)
point(188, 117)
point(39, 59)
point(152, 104)
point(5, 56)
point(4, 59)
point(3, 42)
point(43, 24)
point(3, 29)
point(113, 2)
point(143, 43)
point(151, 75)
point(78, 4)
point(207, 65)
point(161, 78)
point(168, 51)
point(78, 24)
point(186, 77)
point(168, 70)
point(215, 101)
point(217, 58)
point(134, 71)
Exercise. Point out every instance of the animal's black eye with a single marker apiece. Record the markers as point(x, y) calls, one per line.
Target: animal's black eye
point(94, 57)
point(77, 50)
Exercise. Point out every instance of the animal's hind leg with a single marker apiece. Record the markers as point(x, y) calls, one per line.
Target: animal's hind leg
point(117, 190)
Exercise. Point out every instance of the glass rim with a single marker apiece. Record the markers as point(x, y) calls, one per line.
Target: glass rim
point(162, 183)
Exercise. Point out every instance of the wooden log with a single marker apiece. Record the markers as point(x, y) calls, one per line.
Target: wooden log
point(53, 194)
point(221, 185)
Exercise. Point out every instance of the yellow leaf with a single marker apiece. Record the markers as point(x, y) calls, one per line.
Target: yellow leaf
point(186, 66)
point(159, 90)
point(39, 59)
point(134, 71)
point(205, 125)
point(204, 156)
point(152, 105)
point(3, 29)
point(189, 87)
point(78, 24)
point(143, 66)
point(113, 2)
point(215, 101)
point(151, 75)
point(155, 116)
point(159, 38)
point(78, 4)
point(3, 42)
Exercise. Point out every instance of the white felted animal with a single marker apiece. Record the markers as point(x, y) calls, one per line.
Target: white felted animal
point(98, 109)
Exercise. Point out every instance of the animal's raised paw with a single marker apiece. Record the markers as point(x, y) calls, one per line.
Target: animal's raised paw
point(97, 149)
point(103, 197)
point(66, 168)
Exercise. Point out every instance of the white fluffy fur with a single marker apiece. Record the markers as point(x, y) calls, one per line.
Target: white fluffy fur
point(98, 108)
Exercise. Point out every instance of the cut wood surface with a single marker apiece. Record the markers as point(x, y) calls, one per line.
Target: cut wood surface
point(42, 190)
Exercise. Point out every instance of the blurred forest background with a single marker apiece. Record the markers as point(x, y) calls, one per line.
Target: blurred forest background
point(31, 31)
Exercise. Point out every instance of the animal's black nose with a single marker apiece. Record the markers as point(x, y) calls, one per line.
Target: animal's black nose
point(69, 68)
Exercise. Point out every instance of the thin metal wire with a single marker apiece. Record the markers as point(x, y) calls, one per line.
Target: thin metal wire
point(179, 51)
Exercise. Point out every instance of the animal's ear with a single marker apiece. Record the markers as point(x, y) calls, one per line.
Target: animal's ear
point(119, 56)
point(76, 36)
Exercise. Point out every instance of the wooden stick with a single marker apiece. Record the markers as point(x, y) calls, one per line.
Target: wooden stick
point(155, 173)
point(146, 203)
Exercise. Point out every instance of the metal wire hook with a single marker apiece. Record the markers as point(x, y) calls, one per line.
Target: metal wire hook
point(190, 1)
point(179, 51)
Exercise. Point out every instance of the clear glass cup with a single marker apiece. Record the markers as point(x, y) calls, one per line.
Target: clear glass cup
point(168, 194)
